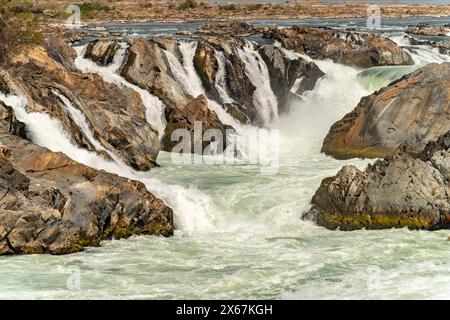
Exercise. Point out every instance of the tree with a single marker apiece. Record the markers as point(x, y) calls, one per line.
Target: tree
point(19, 28)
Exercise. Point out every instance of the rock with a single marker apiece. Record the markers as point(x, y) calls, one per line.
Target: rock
point(284, 72)
point(9, 123)
point(147, 67)
point(235, 28)
point(427, 29)
point(395, 193)
point(206, 65)
point(184, 118)
point(115, 115)
point(443, 46)
point(410, 111)
point(52, 204)
point(57, 49)
point(359, 49)
point(102, 51)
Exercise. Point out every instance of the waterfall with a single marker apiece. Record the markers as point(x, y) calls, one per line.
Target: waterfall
point(303, 130)
point(188, 78)
point(192, 208)
point(80, 120)
point(220, 84)
point(263, 98)
point(154, 107)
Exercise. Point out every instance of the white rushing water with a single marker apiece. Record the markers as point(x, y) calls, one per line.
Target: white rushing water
point(154, 106)
point(256, 70)
point(239, 232)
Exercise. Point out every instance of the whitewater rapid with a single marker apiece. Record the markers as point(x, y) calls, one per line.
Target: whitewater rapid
point(239, 233)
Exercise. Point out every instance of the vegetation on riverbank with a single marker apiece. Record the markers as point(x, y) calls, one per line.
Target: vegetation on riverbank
point(18, 28)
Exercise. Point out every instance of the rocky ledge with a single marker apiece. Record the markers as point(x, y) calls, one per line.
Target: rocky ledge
point(403, 191)
point(427, 29)
point(408, 113)
point(359, 49)
point(52, 204)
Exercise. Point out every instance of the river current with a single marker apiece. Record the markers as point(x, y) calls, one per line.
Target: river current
point(239, 232)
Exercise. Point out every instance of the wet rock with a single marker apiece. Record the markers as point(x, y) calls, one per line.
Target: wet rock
point(395, 193)
point(410, 111)
point(289, 77)
point(427, 29)
point(9, 122)
point(115, 115)
point(185, 118)
point(102, 51)
point(52, 204)
point(359, 49)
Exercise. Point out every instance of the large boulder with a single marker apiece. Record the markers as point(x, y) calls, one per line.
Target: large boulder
point(185, 118)
point(206, 65)
point(351, 48)
point(284, 74)
point(102, 51)
point(147, 67)
point(409, 112)
point(52, 204)
point(115, 115)
point(402, 191)
point(396, 193)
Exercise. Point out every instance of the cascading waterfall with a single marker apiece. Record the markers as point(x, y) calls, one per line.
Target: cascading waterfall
point(80, 120)
point(255, 68)
point(220, 78)
point(154, 107)
point(241, 232)
point(191, 207)
point(186, 75)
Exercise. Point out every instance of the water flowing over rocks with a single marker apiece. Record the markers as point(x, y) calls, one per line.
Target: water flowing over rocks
point(223, 71)
point(403, 191)
point(409, 112)
point(284, 74)
point(52, 204)
point(359, 49)
point(115, 115)
point(443, 45)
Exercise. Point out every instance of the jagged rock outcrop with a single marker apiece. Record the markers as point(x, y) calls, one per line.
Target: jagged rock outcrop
point(115, 115)
point(195, 111)
point(410, 111)
point(52, 204)
point(403, 191)
point(284, 74)
point(147, 66)
point(427, 29)
point(206, 65)
point(102, 51)
point(9, 122)
point(359, 49)
point(443, 45)
point(397, 193)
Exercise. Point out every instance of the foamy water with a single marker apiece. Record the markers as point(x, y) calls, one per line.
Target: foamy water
point(239, 232)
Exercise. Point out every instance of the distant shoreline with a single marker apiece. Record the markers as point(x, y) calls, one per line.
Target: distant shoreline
point(161, 12)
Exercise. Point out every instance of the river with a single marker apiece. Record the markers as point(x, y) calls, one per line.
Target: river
point(239, 232)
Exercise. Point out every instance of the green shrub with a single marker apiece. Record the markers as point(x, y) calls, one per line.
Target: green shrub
point(19, 29)
point(90, 9)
